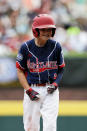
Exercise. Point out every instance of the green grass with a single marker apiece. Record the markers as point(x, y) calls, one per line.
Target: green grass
point(75, 54)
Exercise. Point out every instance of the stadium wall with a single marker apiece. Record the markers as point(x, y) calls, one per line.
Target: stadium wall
point(75, 73)
point(72, 116)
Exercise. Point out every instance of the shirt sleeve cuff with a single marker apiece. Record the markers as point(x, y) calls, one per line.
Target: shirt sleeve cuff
point(55, 84)
point(19, 66)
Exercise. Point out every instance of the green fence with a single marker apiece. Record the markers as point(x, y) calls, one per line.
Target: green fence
point(64, 123)
point(75, 73)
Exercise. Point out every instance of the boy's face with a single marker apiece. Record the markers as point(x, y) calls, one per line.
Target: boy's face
point(45, 33)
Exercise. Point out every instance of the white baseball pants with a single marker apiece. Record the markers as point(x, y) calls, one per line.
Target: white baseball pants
point(47, 106)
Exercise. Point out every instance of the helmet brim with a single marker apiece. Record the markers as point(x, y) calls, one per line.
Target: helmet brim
point(46, 26)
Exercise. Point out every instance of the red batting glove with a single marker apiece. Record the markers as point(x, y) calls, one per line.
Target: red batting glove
point(32, 94)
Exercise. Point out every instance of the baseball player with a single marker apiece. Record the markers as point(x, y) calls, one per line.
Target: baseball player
point(40, 66)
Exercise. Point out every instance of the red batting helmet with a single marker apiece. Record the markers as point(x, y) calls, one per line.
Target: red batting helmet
point(43, 21)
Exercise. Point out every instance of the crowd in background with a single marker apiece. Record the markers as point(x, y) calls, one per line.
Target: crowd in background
point(16, 17)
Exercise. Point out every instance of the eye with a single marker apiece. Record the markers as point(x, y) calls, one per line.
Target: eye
point(42, 29)
point(47, 30)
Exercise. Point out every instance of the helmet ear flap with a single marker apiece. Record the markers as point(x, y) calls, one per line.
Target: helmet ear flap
point(53, 31)
point(36, 32)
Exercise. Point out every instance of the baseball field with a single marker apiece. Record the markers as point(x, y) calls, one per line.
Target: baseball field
point(72, 109)
point(73, 100)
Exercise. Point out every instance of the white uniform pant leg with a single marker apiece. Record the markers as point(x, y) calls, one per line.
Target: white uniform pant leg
point(49, 111)
point(31, 116)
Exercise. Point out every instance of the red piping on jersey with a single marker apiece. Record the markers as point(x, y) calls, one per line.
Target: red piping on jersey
point(18, 66)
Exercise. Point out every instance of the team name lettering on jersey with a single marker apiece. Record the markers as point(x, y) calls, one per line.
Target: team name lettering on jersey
point(41, 66)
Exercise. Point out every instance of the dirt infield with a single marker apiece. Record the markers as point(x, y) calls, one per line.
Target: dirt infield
point(65, 93)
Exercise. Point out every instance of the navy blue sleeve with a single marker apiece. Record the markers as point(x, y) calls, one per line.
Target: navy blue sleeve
point(61, 64)
point(60, 75)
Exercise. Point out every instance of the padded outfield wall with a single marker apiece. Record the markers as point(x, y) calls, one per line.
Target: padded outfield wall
point(72, 116)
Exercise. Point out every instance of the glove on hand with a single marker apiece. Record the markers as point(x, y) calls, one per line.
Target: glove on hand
point(32, 94)
point(51, 88)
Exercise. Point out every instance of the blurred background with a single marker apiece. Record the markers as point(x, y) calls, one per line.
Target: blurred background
point(70, 17)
